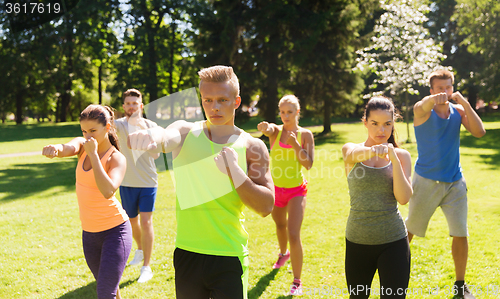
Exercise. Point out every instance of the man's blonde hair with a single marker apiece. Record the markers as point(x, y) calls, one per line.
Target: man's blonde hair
point(220, 74)
point(441, 74)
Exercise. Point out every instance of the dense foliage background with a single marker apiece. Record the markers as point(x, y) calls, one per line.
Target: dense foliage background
point(331, 53)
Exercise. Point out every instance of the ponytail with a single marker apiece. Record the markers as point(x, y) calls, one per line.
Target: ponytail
point(392, 138)
point(113, 137)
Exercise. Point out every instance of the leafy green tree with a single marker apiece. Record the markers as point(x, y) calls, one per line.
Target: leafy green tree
point(101, 38)
point(323, 51)
point(402, 54)
point(479, 21)
point(221, 36)
point(53, 54)
point(467, 66)
point(270, 28)
point(278, 47)
point(9, 74)
point(154, 55)
point(24, 74)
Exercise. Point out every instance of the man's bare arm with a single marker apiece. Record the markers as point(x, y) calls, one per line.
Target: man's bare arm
point(256, 189)
point(158, 138)
point(471, 121)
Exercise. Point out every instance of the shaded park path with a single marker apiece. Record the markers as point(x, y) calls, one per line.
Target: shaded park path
point(20, 154)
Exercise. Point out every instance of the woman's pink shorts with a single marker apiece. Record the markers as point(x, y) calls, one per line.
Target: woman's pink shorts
point(283, 195)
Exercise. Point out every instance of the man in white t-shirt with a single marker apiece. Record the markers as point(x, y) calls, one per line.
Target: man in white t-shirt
point(140, 184)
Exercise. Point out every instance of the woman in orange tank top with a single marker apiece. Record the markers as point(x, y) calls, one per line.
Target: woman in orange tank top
point(107, 234)
point(292, 147)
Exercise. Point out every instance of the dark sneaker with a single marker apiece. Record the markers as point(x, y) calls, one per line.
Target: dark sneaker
point(462, 291)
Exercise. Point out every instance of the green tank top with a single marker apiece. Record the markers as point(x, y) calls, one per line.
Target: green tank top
point(209, 211)
point(286, 169)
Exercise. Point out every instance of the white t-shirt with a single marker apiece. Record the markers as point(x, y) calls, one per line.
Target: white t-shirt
point(141, 169)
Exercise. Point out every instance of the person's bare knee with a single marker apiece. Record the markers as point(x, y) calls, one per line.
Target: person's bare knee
point(146, 219)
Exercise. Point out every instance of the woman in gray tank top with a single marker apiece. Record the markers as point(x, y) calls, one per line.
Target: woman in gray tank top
point(378, 174)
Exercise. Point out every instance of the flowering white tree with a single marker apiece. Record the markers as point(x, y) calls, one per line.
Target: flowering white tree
point(401, 52)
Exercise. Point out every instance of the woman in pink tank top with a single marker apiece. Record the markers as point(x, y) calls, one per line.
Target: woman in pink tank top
point(107, 234)
point(292, 147)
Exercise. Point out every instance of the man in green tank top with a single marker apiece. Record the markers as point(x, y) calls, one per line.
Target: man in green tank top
point(218, 170)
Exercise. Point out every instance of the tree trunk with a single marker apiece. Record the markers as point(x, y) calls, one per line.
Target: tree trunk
point(270, 92)
point(171, 70)
point(19, 108)
point(100, 84)
point(58, 110)
point(66, 96)
point(152, 84)
point(327, 115)
point(65, 99)
point(473, 96)
point(407, 116)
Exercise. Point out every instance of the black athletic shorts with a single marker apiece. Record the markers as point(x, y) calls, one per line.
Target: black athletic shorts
point(203, 276)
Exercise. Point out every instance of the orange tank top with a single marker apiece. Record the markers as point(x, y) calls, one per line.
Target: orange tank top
point(97, 213)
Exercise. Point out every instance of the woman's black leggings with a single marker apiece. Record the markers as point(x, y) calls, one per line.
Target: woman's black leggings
point(392, 260)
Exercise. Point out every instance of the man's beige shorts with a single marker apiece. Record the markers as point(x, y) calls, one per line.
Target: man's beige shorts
point(428, 195)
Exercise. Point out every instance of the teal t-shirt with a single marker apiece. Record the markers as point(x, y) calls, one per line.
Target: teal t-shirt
point(438, 145)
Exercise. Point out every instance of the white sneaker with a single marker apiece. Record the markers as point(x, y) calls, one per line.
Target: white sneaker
point(146, 274)
point(138, 257)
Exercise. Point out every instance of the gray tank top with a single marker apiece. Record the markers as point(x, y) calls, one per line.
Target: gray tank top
point(374, 217)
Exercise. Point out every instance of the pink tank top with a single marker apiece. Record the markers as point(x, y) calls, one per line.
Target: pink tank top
point(97, 213)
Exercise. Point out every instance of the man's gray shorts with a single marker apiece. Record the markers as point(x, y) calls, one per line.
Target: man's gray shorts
point(428, 195)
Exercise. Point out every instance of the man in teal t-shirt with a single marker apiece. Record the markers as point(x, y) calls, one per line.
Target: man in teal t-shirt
point(218, 170)
point(438, 179)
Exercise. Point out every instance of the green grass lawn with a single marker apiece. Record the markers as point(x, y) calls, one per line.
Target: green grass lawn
point(41, 253)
